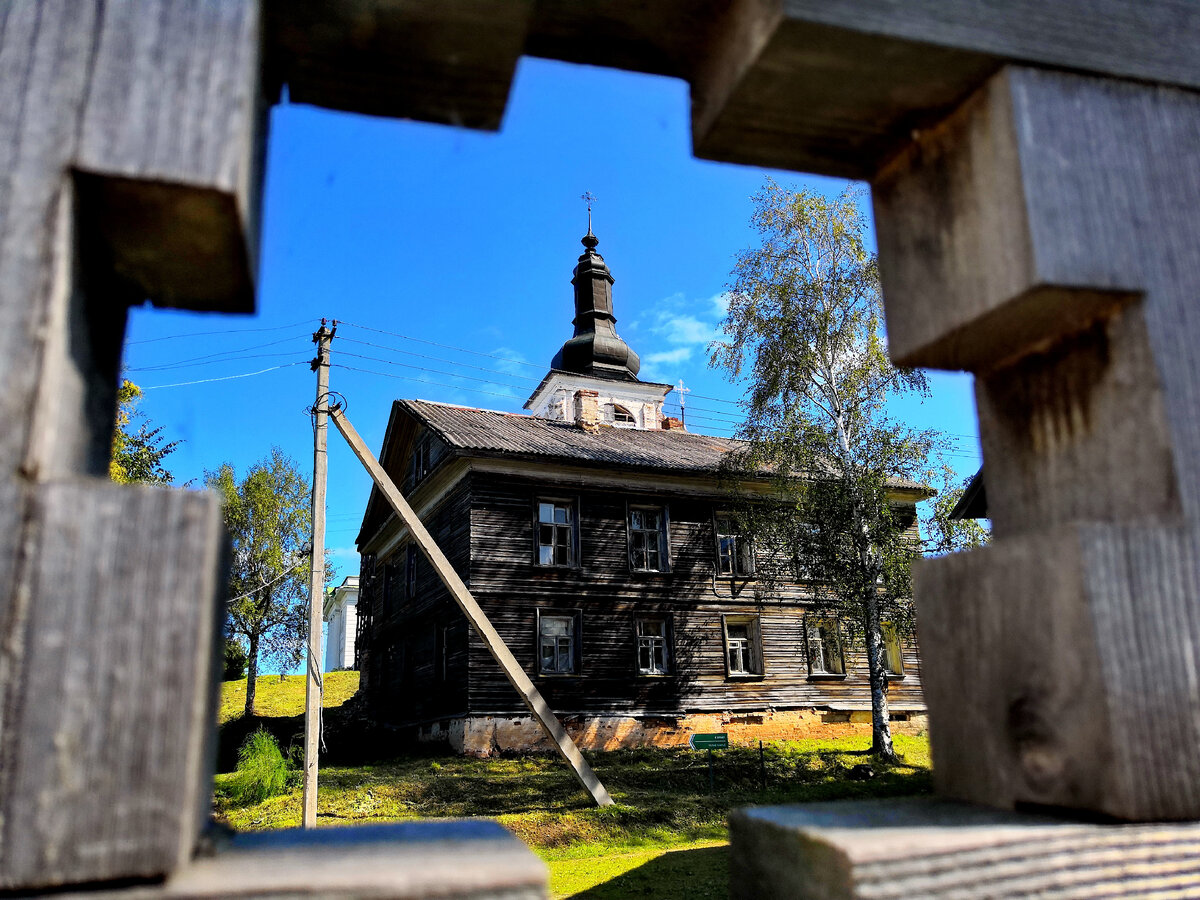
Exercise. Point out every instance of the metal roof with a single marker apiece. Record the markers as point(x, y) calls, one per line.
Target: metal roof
point(488, 432)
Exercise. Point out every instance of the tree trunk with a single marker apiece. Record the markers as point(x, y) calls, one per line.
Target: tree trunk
point(881, 729)
point(251, 675)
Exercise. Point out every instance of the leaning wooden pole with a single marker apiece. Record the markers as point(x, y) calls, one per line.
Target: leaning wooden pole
point(316, 583)
point(462, 596)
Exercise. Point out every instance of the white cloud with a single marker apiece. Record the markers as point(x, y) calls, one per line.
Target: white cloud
point(670, 357)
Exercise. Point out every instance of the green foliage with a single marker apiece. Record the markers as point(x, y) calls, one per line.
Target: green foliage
point(804, 332)
point(137, 449)
point(262, 770)
point(267, 514)
point(946, 535)
point(234, 661)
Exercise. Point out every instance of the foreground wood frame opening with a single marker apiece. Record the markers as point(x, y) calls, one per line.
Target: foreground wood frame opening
point(1013, 158)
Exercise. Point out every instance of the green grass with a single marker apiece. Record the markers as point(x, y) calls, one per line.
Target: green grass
point(666, 830)
point(277, 697)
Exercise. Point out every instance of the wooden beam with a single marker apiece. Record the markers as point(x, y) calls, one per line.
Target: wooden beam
point(516, 676)
point(923, 847)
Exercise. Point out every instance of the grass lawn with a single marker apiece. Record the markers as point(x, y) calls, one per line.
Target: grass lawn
point(275, 696)
point(665, 838)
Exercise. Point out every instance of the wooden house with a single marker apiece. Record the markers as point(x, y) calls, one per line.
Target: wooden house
point(594, 534)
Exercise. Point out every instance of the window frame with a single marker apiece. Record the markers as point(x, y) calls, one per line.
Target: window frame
point(572, 504)
point(422, 458)
point(664, 536)
point(410, 570)
point(619, 409)
point(668, 639)
point(575, 616)
point(753, 625)
point(892, 637)
point(739, 538)
point(816, 621)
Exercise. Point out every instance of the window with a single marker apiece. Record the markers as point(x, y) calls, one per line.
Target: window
point(735, 555)
point(824, 648)
point(648, 539)
point(422, 459)
point(893, 653)
point(558, 647)
point(555, 533)
point(410, 572)
point(652, 649)
point(622, 417)
point(743, 649)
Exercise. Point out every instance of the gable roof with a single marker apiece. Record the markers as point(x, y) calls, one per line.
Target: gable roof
point(483, 431)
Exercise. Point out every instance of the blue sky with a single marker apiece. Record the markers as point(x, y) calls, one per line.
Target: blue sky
point(448, 254)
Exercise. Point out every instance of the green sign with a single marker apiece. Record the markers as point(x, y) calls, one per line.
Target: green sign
point(709, 742)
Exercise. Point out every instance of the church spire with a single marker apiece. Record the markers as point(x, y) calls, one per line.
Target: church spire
point(595, 349)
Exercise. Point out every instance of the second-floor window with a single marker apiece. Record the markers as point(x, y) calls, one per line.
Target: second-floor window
point(421, 460)
point(647, 539)
point(555, 533)
point(735, 554)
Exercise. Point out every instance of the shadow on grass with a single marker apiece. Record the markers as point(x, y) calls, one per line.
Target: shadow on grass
point(693, 874)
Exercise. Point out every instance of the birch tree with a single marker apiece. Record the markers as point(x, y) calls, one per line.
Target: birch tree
point(268, 516)
point(804, 333)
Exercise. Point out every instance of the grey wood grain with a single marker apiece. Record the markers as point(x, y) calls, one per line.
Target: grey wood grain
point(922, 847)
point(111, 720)
point(838, 88)
point(114, 117)
point(424, 59)
point(457, 860)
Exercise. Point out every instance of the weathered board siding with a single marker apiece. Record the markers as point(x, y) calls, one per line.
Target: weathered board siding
point(485, 525)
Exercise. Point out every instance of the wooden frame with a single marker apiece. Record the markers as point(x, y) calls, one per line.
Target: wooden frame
point(668, 622)
point(572, 504)
point(753, 621)
point(664, 535)
point(819, 620)
point(739, 540)
point(575, 616)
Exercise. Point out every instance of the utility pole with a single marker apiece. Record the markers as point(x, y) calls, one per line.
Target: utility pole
point(316, 583)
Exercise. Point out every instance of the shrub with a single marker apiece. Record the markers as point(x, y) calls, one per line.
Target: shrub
point(262, 770)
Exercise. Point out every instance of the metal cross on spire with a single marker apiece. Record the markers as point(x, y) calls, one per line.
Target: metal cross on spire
point(589, 198)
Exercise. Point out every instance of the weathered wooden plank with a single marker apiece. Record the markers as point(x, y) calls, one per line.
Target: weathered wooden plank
point(1083, 698)
point(108, 731)
point(922, 847)
point(462, 596)
point(838, 88)
point(424, 59)
point(457, 860)
point(80, 85)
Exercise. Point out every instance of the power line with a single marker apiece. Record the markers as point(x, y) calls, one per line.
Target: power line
point(155, 387)
point(519, 362)
point(193, 334)
point(210, 362)
point(180, 363)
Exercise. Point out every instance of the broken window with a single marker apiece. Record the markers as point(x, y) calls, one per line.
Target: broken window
point(648, 539)
point(824, 647)
point(557, 637)
point(743, 646)
point(421, 460)
point(622, 417)
point(653, 652)
point(555, 533)
point(735, 554)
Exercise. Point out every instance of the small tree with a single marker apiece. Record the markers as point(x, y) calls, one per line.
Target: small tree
point(137, 449)
point(268, 517)
point(804, 331)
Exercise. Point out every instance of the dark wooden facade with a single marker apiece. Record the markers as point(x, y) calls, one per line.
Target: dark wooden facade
point(422, 663)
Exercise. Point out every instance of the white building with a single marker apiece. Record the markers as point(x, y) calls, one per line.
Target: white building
point(341, 614)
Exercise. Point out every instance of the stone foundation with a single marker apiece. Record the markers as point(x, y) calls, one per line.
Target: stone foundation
point(487, 735)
